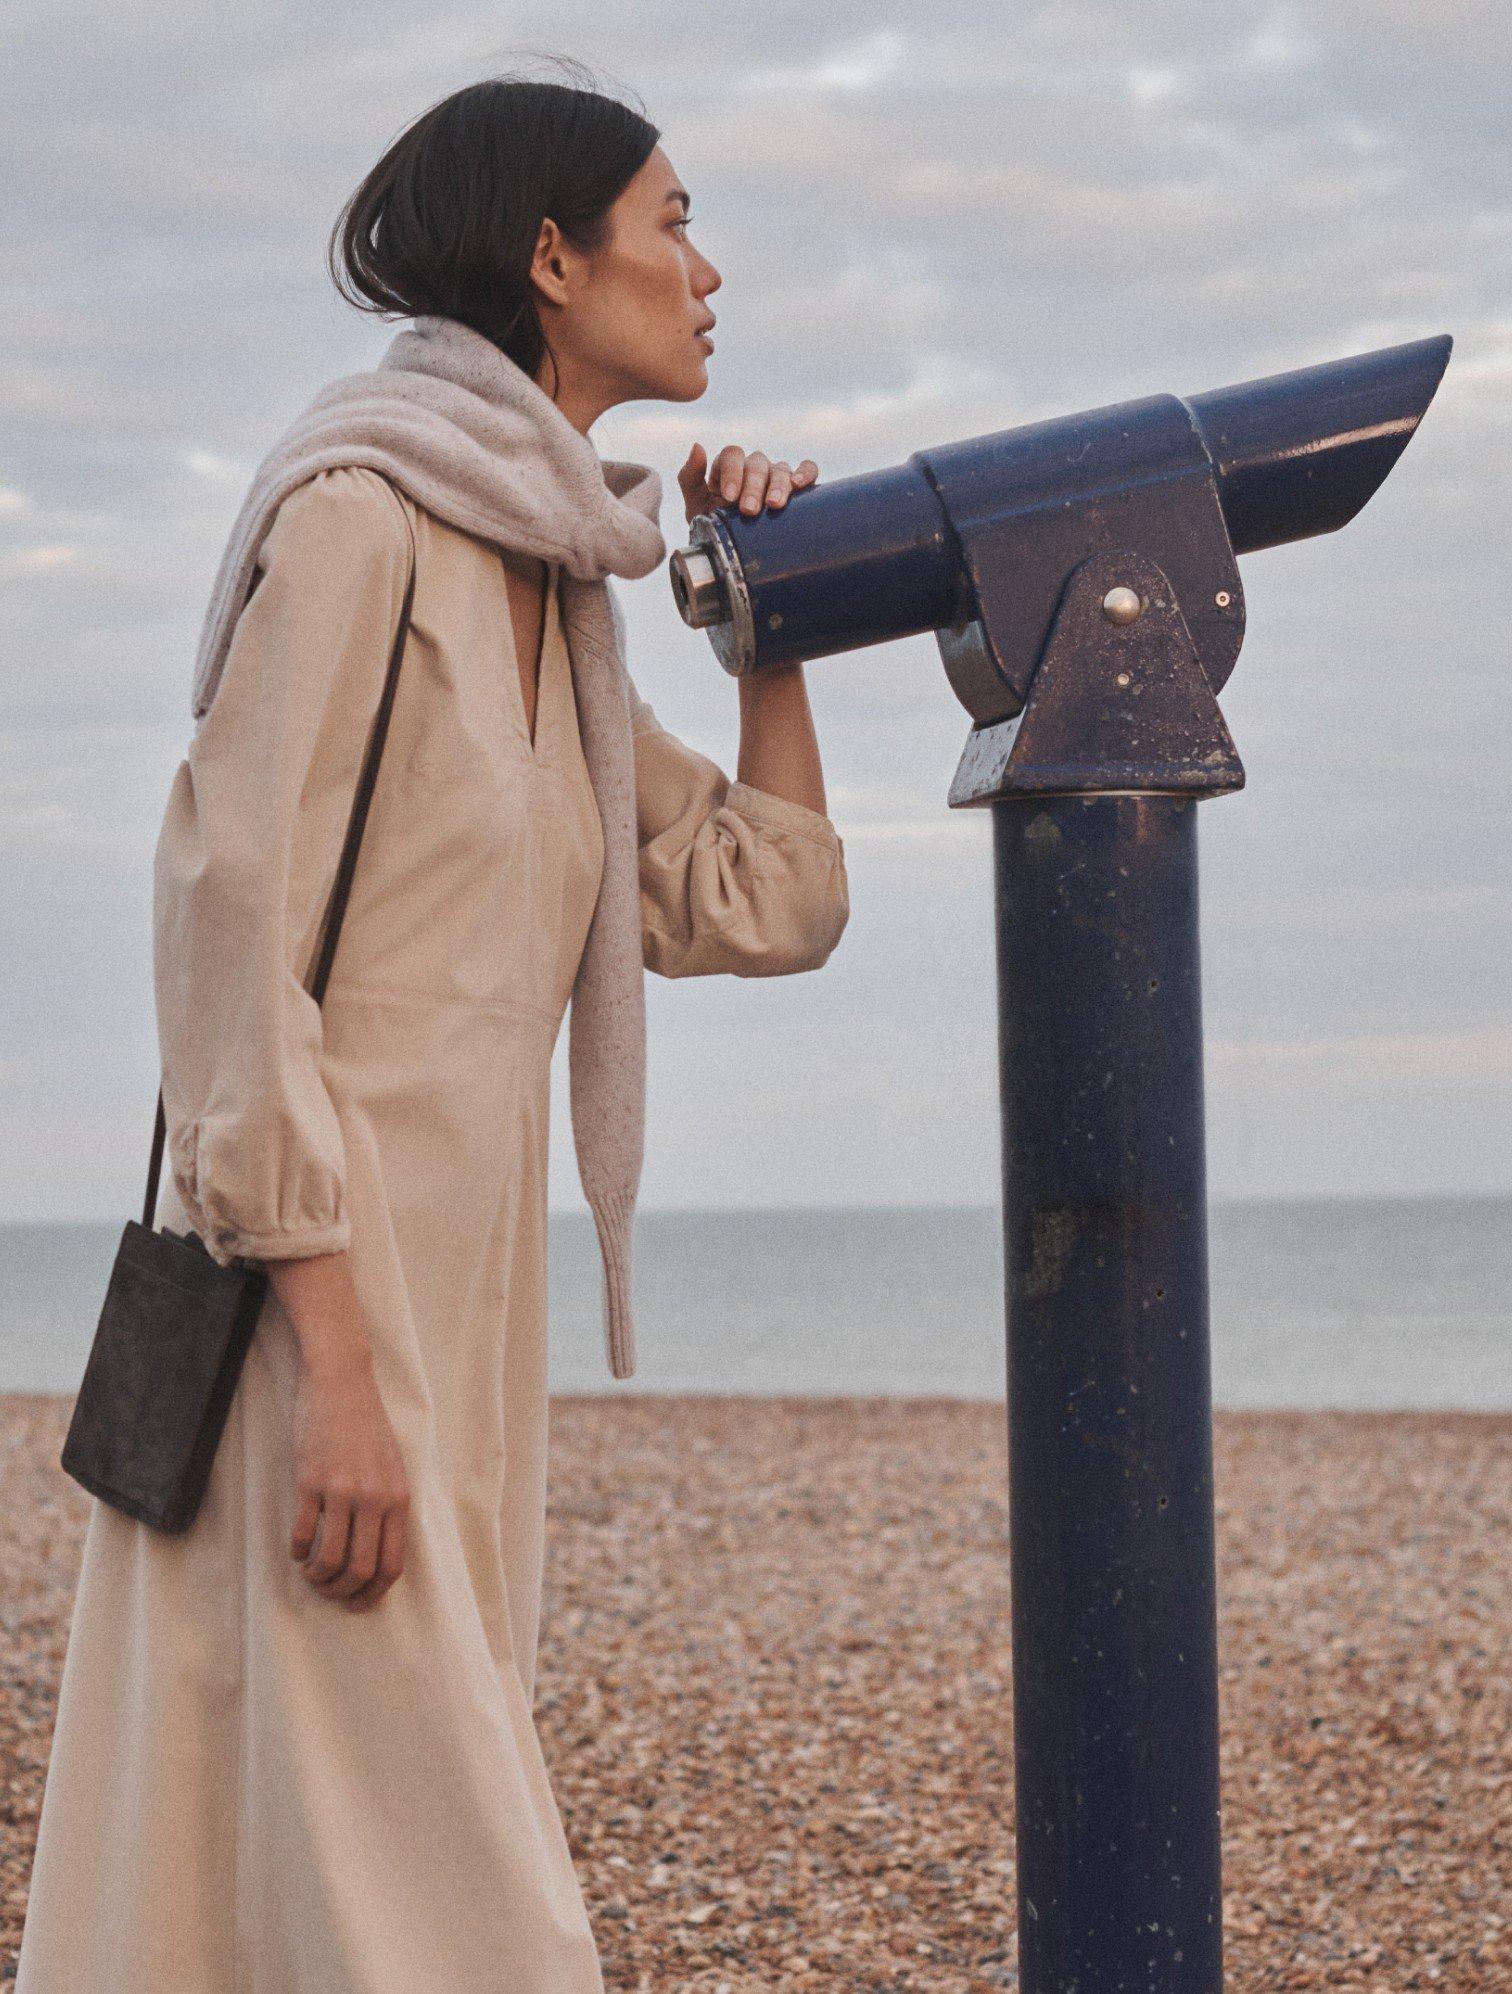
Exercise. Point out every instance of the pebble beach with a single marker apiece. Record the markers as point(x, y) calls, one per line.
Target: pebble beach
point(775, 1689)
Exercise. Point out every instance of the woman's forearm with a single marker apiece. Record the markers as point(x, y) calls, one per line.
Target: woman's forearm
point(779, 751)
point(319, 1297)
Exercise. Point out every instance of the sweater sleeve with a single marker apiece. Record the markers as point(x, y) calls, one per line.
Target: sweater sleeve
point(732, 877)
point(244, 866)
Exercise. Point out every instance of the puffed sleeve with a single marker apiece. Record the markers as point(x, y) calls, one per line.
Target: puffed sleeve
point(254, 1141)
point(732, 877)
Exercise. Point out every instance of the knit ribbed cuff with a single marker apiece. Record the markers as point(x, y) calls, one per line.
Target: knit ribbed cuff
point(613, 1215)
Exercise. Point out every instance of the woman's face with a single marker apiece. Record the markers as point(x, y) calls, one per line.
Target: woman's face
point(625, 323)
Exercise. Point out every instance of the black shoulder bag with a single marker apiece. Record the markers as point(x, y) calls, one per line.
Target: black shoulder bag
point(176, 1325)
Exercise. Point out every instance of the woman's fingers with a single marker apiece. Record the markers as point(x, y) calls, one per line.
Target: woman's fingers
point(764, 483)
point(306, 1520)
point(728, 470)
point(754, 483)
point(353, 1551)
point(750, 479)
point(362, 1552)
point(691, 476)
point(390, 1561)
point(328, 1552)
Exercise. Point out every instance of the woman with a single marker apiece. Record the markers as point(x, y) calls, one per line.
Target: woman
point(295, 1750)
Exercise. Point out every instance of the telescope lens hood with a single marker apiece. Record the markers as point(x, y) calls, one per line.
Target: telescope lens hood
point(1300, 453)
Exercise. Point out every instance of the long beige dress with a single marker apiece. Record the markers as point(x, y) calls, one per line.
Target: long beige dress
point(253, 1790)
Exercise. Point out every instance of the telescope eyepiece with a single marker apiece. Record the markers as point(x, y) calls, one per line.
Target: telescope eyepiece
point(700, 593)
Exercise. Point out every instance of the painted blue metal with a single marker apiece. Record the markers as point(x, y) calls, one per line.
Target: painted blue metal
point(1115, 1680)
point(983, 532)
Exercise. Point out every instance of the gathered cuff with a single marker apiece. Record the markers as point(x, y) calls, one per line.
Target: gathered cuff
point(224, 1239)
point(781, 813)
point(226, 1245)
point(288, 1245)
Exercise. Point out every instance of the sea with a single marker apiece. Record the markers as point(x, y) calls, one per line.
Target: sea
point(1382, 1303)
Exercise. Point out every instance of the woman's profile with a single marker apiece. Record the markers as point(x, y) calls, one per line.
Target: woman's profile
point(295, 1750)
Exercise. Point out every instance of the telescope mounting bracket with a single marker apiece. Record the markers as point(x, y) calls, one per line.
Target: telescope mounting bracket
point(1112, 705)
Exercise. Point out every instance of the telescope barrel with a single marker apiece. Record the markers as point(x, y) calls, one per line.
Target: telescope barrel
point(1300, 453)
point(894, 553)
point(860, 561)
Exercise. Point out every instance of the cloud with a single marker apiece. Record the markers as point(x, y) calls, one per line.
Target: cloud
point(1279, 43)
point(228, 473)
point(41, 560)
point(1148, 83)
point(856, 66)
point(1371, 1061)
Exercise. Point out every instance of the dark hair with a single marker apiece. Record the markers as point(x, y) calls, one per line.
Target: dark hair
point(447, 222)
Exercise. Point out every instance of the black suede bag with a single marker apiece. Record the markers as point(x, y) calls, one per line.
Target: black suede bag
point(176, 1325)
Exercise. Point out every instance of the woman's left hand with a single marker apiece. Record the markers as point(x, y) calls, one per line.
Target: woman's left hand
point(752, 479)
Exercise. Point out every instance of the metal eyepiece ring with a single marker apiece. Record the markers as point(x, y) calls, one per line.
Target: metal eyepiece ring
point(711, 594)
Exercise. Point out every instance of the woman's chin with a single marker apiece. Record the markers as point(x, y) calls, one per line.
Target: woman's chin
point(692, 382)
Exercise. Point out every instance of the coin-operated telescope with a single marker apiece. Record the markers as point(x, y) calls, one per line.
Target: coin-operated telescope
point(1081, 578)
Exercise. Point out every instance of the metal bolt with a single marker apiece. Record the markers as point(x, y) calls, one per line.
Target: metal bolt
point(1123, 678)
point(1122, 605)
point(1223, 598)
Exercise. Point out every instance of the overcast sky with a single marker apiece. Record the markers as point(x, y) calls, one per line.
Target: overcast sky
point(930, 224)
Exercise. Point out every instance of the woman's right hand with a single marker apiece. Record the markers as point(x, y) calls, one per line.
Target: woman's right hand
point(352, 1493)
point(352, 1497)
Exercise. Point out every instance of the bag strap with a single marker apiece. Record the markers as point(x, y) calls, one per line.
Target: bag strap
point(344, 871)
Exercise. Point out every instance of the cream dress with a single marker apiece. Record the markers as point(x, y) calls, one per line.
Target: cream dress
point(252, 1789)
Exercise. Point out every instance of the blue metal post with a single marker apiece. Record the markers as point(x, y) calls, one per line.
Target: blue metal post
point(1109, 1403)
